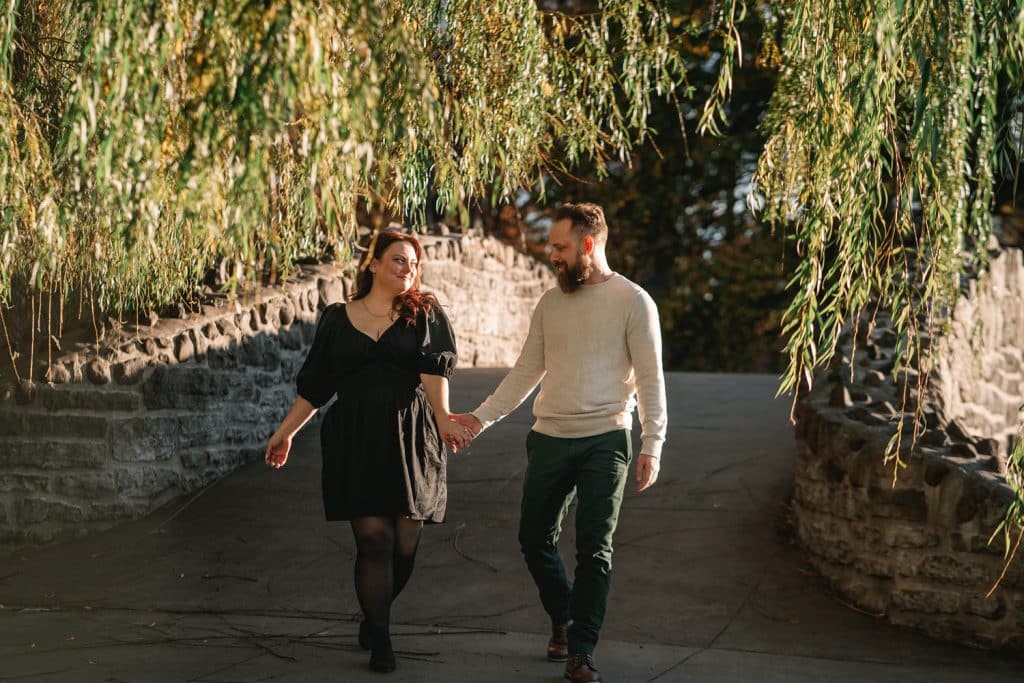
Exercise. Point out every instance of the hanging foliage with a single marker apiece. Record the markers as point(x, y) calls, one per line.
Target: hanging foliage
point(145, 143)
point(891, 127)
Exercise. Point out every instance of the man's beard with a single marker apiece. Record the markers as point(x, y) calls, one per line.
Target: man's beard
point(571, 278)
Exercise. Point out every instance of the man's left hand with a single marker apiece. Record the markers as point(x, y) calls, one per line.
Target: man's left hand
point(646, 472)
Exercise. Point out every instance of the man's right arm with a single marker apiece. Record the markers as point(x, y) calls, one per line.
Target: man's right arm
point(519, 382)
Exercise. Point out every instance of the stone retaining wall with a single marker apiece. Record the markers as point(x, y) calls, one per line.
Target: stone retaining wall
point(917, 552)
point(162, 410)
point(980, 378)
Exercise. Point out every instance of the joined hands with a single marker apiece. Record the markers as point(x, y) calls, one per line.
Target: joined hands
point(459, 430)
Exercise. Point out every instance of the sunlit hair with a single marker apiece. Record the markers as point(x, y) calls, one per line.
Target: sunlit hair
point(586, 219)
point(409, 303)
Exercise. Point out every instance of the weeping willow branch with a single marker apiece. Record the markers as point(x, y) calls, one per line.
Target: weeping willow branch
point(146, 142)
point(883, 153)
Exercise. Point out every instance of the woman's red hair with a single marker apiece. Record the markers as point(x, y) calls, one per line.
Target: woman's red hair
point(409, 303)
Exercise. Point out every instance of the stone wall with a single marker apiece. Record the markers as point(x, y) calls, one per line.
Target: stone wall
point(916, 551)
point(980, 378)
point(159, 411)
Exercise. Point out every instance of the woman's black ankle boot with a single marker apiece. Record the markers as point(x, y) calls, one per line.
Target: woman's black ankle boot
point(382, 657)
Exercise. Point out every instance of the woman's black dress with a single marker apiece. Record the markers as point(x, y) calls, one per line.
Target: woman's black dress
point(382, 455)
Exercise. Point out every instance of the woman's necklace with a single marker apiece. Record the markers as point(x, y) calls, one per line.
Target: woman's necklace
point(380, 330)
point(367, 308)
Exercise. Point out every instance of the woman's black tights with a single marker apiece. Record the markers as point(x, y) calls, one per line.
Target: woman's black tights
point(385, 555)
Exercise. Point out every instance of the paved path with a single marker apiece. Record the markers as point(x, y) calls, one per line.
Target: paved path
point(246, 582)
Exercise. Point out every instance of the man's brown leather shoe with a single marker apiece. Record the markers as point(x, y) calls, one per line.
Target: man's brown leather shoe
point(558, 646)
point(580, 669)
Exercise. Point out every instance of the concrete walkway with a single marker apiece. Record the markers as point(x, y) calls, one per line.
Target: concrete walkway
point(246, 582)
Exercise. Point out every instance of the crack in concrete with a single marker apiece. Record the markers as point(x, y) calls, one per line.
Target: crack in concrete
point(721, 631)
point(464, 555)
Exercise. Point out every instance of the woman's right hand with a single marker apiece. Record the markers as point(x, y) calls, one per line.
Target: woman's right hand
point(276, 454)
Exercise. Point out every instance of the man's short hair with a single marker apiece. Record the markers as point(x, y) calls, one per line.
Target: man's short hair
point(586, 219)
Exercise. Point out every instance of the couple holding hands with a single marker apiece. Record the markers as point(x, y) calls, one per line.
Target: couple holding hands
point(594, 345)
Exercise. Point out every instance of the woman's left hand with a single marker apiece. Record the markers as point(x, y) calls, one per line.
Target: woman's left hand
point(455, 435)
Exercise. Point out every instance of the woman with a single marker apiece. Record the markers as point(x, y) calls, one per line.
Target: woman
point(387, 355)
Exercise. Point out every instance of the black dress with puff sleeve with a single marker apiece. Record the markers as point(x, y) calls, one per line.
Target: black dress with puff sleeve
point(382, 454)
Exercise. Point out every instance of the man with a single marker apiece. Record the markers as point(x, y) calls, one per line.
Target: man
point(595, 341)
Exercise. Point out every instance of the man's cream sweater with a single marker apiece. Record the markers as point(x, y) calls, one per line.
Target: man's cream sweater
point(598, 352)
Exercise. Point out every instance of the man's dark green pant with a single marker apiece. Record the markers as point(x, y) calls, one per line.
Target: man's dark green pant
point(596, 469)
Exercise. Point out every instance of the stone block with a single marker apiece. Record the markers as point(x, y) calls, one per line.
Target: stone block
point(12, 422)
point(290, 366)
point(86, 484)
point(146, 481)
point(190, 387)
point(85, 398)
point(906, 504)
point(220, 460)
point(200, 429)
point(927, 601)
point(846, 503)
point(871, 418)
point(907, 536)
point(963, 450)
point(812, 495)
point(48, 455)
point(244, 419)
point(876, 566)
point(226, 358)
point(835, 550)
point(265, 380)
point(121, 508)
point(184, 349)
point(282, 395)
point(873, 378)
point(935, 438)
point(292, 338)
point(65, 426)
point(312, 299)
point(97, 371)
point(988, 608)
point(144, 439)
point(246, 432)
point(973, 542)
point(131, 371)
point(286, 313)
point(243, 321)
point(228, 327)
point(961, 571)
point(988, 447)
point(863, 469)
point(260, 351)
point(269, 313)
point(25, 392)
point(330, 291)
point(24, 483)
point(935, 471)
point(1014, 577)
point(58, 373)
point(308, 332)
point(211, 331)
point(241, 392)
point(200, 343)
point(36, 510)
point(973, 500)
point(866, 535)
point(193, 459)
